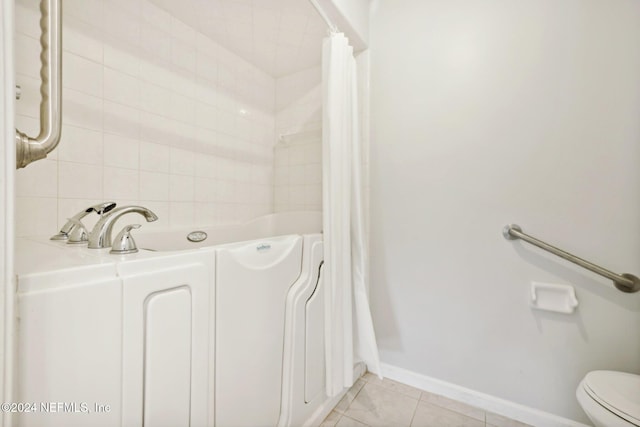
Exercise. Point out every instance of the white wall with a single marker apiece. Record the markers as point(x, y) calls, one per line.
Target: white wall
point(298, 150)
point(486, 113)
point(298, 102)
point(154, 114)
point(298, 173)
point(7, 165)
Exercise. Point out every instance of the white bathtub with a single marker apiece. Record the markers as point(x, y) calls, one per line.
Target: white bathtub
point(246, 303)
point(278, 224)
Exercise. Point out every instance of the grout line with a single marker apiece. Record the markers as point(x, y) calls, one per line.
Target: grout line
point(415, 410)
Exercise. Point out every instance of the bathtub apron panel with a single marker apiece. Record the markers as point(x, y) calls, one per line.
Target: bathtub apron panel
point(314, 360)
point(167, 358)
point(303, 380)
point(252, 282)
point(165, 366)
point(69, 350)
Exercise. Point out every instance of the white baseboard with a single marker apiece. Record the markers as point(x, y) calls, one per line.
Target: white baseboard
point(487, 402)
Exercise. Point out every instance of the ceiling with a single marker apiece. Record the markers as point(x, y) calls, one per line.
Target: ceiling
point(278, 36)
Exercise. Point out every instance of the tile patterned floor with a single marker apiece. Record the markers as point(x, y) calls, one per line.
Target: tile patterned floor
point(372, 402)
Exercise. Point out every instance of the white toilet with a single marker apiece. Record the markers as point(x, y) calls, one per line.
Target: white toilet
point(610, 399)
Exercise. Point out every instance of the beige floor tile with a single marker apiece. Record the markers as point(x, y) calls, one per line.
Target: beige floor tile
point(429, 415)
point(453, 405)
point(350, 422)
point(379, 406)
point(346, 400)
point(372, 402)
point(496, 420)
point(331, 420)
point(392, 385)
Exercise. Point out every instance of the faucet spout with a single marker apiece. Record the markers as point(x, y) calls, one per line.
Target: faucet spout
point(100, 236)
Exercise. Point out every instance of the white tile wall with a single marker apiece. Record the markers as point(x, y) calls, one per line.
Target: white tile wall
point(154, 114)
point(278, 36)
point(298, 154)
point(299, 101)
point(298, 173)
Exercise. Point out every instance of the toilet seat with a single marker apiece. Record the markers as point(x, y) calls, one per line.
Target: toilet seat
point(619, 392)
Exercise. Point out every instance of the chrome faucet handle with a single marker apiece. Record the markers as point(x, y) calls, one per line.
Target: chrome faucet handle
point(66, 229)
point(102, 208)
point(124, 243)
point(78, 234)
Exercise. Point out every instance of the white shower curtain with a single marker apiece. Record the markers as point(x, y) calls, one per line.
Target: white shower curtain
point(350, 337)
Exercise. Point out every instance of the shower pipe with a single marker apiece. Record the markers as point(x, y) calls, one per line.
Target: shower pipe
point(29, 149)
point(624, 282)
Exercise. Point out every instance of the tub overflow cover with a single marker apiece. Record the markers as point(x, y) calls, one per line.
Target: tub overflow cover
point(196, 236)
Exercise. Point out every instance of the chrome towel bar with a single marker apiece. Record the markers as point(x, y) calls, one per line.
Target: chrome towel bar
point(624, 282)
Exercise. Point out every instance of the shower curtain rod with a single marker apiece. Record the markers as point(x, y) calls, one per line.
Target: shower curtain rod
point(332, 27)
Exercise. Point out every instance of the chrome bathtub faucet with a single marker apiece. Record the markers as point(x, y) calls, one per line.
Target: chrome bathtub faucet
point(74, 222)
point(100, 236)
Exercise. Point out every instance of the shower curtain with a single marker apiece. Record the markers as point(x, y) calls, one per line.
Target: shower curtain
point(350, 337)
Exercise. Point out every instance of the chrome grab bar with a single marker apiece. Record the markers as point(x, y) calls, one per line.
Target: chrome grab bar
point(29, 149)
point(624, 282)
